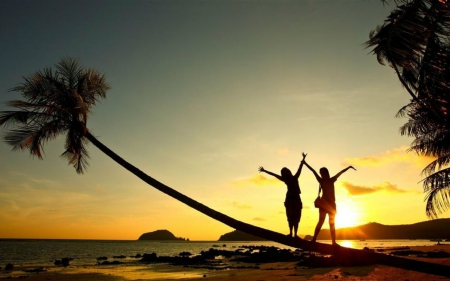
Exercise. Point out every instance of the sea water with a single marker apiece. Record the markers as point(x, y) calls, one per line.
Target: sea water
point(85, 252)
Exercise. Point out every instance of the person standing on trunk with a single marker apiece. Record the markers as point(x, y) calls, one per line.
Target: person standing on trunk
point(293, 202)
point(327, 187)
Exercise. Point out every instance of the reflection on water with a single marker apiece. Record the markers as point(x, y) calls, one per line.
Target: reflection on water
point(346, 243)
point(376, 244)
point(42, 252)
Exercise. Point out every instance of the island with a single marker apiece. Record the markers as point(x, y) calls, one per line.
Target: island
point(438, 229)
point(237, 235)
point(161, 234)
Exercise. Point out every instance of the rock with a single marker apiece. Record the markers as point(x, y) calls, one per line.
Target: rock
point(37, 270)
point(110, 262)
point(308, 237)
point(149, 257)
point(9, 267)
point(63, 262)
point(440, 254)
point(406, 253)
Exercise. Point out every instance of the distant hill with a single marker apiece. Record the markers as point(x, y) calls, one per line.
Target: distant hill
point(160, 235)
point(433, 229)
point(237, 235)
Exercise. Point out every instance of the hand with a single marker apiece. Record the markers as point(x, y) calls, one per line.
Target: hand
point(261, 169)
point(304, 156)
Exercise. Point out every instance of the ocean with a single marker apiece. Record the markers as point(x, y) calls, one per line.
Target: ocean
point(85, 252)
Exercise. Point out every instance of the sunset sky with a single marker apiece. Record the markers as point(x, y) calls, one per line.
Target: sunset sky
point(202, 94)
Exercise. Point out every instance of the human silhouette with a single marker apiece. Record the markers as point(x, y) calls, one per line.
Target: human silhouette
point(327, 187)
point(292, 203)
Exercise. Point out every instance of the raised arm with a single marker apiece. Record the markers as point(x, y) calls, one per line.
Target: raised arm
point(343, 171)
point(299, 171)
point(312, 170)
point(261, 169)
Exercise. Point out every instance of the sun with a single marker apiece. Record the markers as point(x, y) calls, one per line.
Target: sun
point(347, 215)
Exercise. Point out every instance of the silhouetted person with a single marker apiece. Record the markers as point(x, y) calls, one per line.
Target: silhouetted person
point(327, 188)
point(292, 203)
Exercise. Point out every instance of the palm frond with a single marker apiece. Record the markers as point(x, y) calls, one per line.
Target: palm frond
point(20, 138)
point(68, 70)
point(439, 163)
point(437, 188)
point(33, 137)
point(403, 112)
point(10, 118)
point(412, 40)
point(92, 86)
point(76, 151)
point(55, 102)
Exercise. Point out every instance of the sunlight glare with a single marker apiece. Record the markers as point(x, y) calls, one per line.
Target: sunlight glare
point(347, 216)
point(346, 243)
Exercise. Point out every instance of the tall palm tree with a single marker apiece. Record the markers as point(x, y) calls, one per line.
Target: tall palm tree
point(415, 42)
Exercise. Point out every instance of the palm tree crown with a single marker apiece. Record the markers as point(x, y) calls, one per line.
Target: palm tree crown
point(57, 102)
point(414, 41)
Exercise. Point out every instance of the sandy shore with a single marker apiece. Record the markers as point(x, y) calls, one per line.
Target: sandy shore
point(252, 272)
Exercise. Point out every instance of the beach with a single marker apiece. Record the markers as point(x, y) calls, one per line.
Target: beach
point(235, 270)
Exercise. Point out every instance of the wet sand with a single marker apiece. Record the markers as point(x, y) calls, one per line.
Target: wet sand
point(264, 272)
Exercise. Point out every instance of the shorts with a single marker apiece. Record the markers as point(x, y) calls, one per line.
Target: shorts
point(293, 209)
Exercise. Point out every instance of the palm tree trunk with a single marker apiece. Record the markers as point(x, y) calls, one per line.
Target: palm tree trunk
point(245, 227)
point(347, 255)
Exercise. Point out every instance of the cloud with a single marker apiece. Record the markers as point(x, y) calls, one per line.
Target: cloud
point(284, 151)
point(363, 190)
point(397, 155)
point(33, 200)
point(258, 180)
point(241, 206)
point(259, 219)
point(46, 182)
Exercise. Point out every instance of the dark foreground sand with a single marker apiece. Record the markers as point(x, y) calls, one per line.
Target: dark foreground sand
point(266, 272)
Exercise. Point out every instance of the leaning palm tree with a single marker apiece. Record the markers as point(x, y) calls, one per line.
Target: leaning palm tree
point(415, 42)
point(58, 101)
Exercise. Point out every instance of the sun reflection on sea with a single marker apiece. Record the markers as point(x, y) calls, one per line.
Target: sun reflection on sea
point(346, 243)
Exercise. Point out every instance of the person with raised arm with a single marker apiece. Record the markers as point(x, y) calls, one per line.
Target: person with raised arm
point(293, 202)
point(328, 198)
